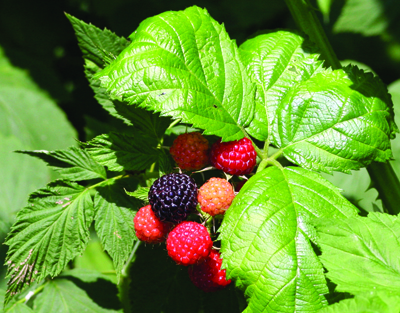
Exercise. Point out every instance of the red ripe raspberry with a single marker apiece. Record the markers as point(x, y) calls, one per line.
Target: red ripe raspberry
point(208, 275)
point(189, 243)
point(234, 157)
point(190, 151)
point(215, 196)
point(148, 227)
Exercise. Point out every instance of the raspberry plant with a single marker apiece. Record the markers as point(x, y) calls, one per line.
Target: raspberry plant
point(290, 242)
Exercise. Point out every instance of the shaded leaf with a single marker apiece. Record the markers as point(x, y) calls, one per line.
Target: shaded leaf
point(62, 295)
point(49, 232)
point(154, 273)
point(265, 238)
point(114, 213)
point(73, 164)
point(121, 152)
point(183, 64)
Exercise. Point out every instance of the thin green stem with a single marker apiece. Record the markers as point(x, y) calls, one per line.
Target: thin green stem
point(125, 269)
point(263, 164)
point(382, 174)
point(29, 295)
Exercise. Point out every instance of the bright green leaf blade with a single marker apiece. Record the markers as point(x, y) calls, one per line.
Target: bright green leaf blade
point(121, 152)
point(266, 239)
point(372, 302)
point(114, 213)
point(158, 285)
point(183, 64)
point(73, 164)
point(361, 254)
point(325, 8)
point(142, 194)
point(394, 90)
point(276, 61)
point(62, 295)
point(49, 232)
point(337, 121)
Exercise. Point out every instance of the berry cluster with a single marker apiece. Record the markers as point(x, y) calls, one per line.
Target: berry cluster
point(173, 197)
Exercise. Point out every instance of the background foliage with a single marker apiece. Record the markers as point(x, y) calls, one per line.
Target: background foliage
point(46, 103)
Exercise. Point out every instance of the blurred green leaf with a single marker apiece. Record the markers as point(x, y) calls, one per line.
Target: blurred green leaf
point(325, 8)
point(63, 296)
point(371, 302)
point(361, 253)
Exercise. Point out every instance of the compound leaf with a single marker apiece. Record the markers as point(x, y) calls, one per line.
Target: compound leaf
point(361, 254)
point(265, 238)
point(114, 213)
point(49, 232)
point(372, 302)
point(276, 61)
point(121, 152)
point(73, 164)
point(62, 295)
point(336, 121)
point(183, 64)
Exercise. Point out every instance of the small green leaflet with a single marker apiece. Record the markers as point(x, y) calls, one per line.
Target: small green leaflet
point(336, 121)
point(183, 64)
point(63, 296)
point(276, 61)
point(49, 232)
point(371, 302)
point(121, 152)
point(114, 212)
point(159, 285)
point(141, 194)
point(361, 254)
point(73, 164)
point(265, 238)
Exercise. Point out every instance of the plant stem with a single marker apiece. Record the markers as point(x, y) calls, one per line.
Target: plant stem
point(386, 182)
point(123, 286)
point(29, 295)
point(382, 174)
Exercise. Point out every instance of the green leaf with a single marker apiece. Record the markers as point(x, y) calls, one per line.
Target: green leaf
point(98, 47)
point(394, 89)
point(337, 121)
point(86, 275)
point(361, 254)
point(62, 295)
point(276, 61)
point(19, 308)
point(372, 302)
point(325, 8)
point(121, 152)
point(265, 238)
point(114, 212)
point(49, 232)
point(183, 64)
point(73, 164)
point(142, 194)
point(367, 17)
point(158, 285)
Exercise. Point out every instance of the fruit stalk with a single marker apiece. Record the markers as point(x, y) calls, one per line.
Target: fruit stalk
point(382, 175)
